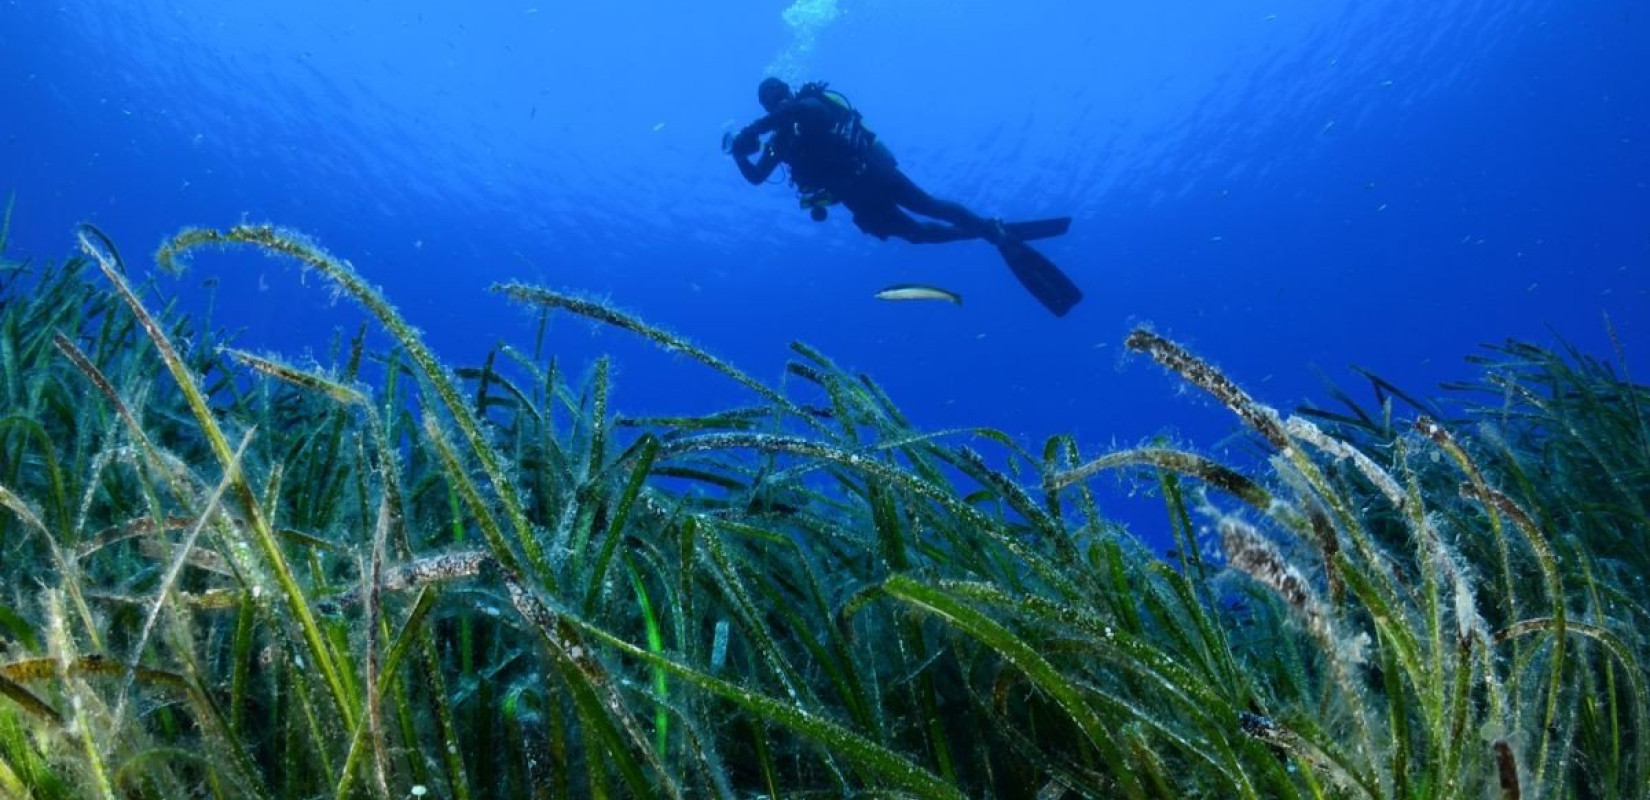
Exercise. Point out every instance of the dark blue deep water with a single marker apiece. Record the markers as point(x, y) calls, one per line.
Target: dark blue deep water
point(1290, 187)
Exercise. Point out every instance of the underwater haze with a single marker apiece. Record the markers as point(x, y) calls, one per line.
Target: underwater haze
point(1288, 187)
point(415, 400)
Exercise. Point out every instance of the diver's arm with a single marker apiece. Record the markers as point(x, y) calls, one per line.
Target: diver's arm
point(783, 120)
point(765, 125)
point(788, 114)
point(784, 114)
point(751, 135)
point(758, 172)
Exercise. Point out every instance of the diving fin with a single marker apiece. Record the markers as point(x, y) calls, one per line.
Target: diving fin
point(1038, 228)
point(1045, 281)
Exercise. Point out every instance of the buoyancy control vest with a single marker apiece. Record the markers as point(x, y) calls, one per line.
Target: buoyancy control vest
point(843, 148)
point(847, 127)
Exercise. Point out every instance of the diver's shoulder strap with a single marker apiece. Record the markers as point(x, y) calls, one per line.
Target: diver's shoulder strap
point(850, 123)
point(823, 91)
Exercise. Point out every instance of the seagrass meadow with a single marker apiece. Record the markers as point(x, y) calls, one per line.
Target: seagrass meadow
point(231, 575)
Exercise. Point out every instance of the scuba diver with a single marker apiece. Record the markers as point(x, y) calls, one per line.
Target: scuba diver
point(834, 158)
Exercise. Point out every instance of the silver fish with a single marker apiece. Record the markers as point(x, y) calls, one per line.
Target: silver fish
point(915, 291)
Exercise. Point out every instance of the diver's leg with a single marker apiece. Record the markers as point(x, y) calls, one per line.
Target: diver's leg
point(935, 233)
point(888, 220)
point(883, 220)
point(920, 232)
point(965, 224)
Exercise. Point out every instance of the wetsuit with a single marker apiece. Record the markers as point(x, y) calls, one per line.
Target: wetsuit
point(828, 151)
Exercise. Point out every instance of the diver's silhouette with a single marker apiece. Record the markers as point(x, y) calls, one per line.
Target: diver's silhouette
point(834, 158)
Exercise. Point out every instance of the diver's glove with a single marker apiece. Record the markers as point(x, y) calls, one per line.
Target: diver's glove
point(746, 143)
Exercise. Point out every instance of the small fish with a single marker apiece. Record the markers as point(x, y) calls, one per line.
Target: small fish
point(913, 291)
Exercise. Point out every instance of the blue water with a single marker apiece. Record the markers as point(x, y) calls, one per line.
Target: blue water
point(1288, 186)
